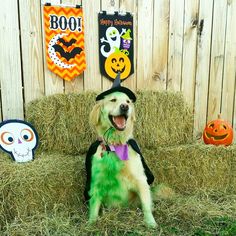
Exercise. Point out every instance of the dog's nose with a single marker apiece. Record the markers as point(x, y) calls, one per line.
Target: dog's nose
point(124, 107)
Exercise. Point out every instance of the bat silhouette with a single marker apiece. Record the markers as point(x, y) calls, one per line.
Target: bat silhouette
point(67, 44)
point(67, 55)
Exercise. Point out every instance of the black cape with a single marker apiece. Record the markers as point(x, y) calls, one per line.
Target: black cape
point(88, 164)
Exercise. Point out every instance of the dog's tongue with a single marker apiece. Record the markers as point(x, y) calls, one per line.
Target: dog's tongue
point(120, 121)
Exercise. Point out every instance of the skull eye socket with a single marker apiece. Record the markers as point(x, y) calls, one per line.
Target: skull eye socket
point(27, 135)
point(7, 138)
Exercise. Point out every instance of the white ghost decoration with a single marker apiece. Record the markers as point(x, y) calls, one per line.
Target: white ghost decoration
point(19, 139)
point(113, 39)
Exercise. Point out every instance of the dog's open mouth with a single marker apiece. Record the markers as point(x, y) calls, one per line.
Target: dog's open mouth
point(119, 122)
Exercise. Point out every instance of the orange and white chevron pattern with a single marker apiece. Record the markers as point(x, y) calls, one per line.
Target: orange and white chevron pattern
point(64, 67)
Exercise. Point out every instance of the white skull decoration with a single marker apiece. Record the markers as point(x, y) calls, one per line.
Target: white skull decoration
point(19, 139)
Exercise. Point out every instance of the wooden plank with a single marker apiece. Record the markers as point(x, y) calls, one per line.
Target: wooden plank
point(77, 84)
point(175, 45)
point(217, 58)
point(31, 44)
point(110, 6)
point(228, 91)
point(10, 61)
point(92, 75)
point(53, 83)
point(131, 6)
point(189, 50)
point(234, 107)
point(144, 54)
point(0, 105)
point(160, 43)
point(203, 65)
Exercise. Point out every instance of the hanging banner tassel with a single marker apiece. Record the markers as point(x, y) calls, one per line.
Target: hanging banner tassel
point(116, 45)
point(64, 34)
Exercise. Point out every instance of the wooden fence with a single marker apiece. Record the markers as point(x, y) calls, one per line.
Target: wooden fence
point(180, 45)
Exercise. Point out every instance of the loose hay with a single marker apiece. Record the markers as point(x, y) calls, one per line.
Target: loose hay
point(179, 216)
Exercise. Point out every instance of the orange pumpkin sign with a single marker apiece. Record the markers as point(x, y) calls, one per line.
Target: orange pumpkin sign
point(118, 62)
point(218, 132)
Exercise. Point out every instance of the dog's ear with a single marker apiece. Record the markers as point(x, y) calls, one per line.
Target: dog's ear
point(95, 114)
point(133, 116)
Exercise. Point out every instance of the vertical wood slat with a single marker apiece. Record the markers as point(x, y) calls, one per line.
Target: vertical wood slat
point(144, 45)
point(10, 61)
point(175, 45)
point(107, 6)
point(229, 73)
point(203, 63)
point(31, 44)
point(130, 6)
point(217, 58)
point(189, 50)
point(53, 83)
point(160, 43)
point(92, 76)
point(77, 84)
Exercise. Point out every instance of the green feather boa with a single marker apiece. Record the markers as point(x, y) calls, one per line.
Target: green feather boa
point(105, 183)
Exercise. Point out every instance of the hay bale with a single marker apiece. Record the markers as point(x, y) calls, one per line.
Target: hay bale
point(50, 190)
point(163, 118)
point(29, 188)
point(55, 178)
point(194, 167)
point(62, 120)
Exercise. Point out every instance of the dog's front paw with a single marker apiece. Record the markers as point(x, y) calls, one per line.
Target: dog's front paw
point(150, 221)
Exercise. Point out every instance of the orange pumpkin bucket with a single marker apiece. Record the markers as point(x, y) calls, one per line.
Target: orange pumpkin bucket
point(218, 132)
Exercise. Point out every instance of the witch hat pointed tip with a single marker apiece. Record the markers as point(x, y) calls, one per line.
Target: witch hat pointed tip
point(116, 82)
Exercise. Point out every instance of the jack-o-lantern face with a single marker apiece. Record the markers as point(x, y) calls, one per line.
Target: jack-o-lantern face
point(118, 62)
point(218, 132)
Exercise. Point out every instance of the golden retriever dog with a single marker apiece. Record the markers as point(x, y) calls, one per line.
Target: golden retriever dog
point(116, 170)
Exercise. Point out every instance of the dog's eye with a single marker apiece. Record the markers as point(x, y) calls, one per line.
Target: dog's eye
point(128, 101)
point(113, 100)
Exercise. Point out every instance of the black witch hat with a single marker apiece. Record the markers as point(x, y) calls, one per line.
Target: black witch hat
point(116, 87)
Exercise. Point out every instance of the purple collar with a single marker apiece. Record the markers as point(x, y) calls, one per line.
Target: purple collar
point(121, 151)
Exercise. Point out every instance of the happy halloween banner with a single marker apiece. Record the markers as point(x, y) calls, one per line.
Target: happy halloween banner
point(64, 34)
point(116, 44)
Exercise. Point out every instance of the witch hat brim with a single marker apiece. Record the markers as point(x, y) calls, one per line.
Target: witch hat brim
point(116, 87)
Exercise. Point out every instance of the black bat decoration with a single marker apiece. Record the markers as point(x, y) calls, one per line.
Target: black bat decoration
point(67, 55)
point(67, 44)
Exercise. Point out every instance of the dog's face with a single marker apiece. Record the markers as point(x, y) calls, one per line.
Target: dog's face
point(115, 111)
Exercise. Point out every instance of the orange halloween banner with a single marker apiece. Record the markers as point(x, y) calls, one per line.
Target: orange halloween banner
point(64, 34)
